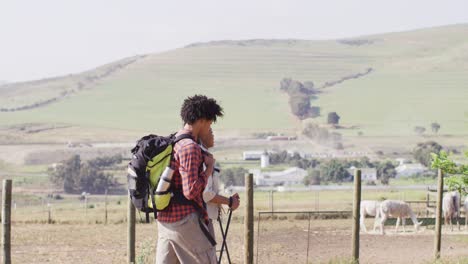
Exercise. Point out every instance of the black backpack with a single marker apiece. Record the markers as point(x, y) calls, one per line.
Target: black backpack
point(150, 158)
point(152, 155)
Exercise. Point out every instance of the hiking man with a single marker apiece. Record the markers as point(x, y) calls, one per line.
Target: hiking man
point(183, 236)
point(211, 193)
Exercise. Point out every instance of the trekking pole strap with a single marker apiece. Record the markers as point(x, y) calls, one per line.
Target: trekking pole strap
point(206, 232)
point(179, 198)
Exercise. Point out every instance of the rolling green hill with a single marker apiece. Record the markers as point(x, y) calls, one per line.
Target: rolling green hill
point(418, 77)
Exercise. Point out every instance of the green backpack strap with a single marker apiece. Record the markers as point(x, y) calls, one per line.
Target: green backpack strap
point(177, 139)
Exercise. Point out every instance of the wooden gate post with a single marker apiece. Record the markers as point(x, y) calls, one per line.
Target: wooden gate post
point(356, 214)
point(248, 220)
point(6, 221)
point(131, 231)
point(438, 223)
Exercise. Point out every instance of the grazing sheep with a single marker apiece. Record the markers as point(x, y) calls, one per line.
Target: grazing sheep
point(451, 208)
point(398, 209)
point(370, 208)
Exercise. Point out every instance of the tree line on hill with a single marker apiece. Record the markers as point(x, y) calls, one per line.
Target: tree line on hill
point(435, 127)
point(300, 95)
point(88, 79)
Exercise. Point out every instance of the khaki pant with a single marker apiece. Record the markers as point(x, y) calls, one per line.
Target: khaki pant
point(184, 242)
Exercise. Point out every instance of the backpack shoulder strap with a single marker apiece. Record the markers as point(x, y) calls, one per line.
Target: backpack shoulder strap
point(182, 136)
point(177, 139)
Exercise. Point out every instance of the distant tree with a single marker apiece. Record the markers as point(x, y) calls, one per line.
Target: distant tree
point(108, 161)
point(458, 179)
point(296, 87)
point(334, 171)
point(385, 180)
point(313, 131)
point(93, 180)
point(295, 156)
point(278, 158)
point(300, 95)
point(300, 105)
point(312, 178)
point(422, 152)
point(386, 170)
point(419, 130)
point(309, 85)
point(67, 175)
point(75, 176)
point(364, 162)
point(284, 84)
point(314, 111)
point(333, 118)
point(304, 163)
point(435, 127)
point(233, 176)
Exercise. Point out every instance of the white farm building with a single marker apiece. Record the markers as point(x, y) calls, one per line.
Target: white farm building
point(291, 176)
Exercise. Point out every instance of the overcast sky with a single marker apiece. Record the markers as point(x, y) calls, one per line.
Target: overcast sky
point(47, 38)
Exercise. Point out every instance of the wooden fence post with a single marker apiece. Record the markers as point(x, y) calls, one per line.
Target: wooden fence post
point(6, 221)
point(356, 214)
point(131, 231)
point(317, 200)
point(49, 214)
point(272, 208)
point(427, 204)
point(105, 208)
point(248, 220)
point(438, 224)
point(86, 205)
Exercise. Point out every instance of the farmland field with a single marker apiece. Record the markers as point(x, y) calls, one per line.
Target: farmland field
point(79, 233)
point(280, 241)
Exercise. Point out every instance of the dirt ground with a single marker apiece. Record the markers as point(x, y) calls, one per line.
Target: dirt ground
point(278, 242)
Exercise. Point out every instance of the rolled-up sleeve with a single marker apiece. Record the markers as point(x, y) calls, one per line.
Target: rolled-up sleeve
point(193, 181)
point(209, 193)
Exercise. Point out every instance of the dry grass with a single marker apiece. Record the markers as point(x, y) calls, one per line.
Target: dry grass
point(279, 242)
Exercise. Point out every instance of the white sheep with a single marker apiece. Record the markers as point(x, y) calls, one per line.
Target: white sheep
point(398, 209)
point(370, 208)
point(451, 208)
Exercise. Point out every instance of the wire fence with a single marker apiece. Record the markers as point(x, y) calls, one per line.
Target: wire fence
point(299, 215)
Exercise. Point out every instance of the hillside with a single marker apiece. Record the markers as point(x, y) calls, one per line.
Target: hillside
point(418, 77)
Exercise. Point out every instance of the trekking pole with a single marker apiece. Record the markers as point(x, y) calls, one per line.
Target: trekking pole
point(224, 233)
point(224, 238)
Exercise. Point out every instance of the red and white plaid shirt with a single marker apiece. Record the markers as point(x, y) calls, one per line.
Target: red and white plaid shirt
point(188, 177)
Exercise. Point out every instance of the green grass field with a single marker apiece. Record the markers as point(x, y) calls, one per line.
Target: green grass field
point(419, 77)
